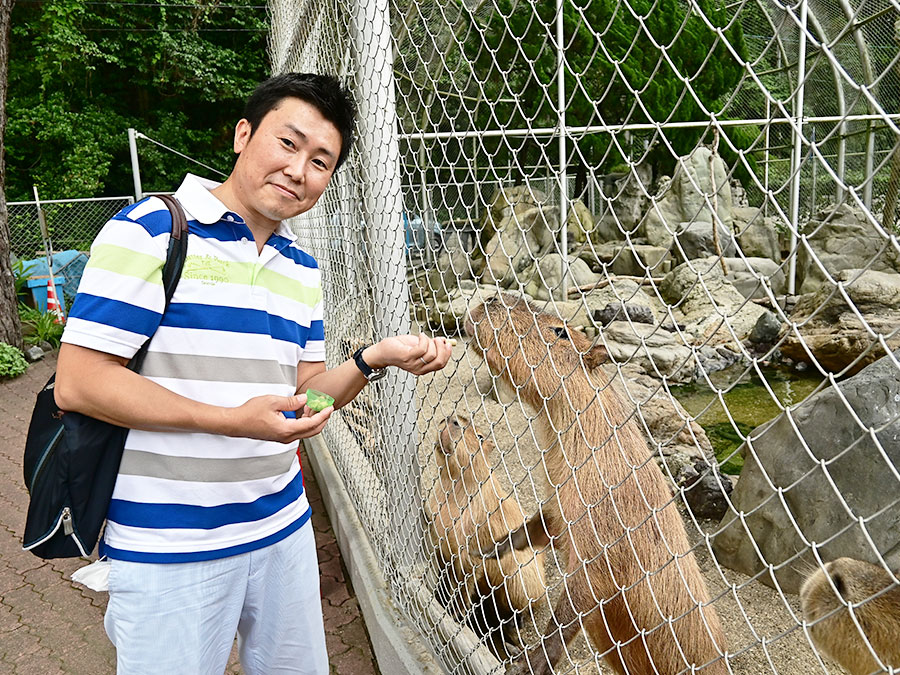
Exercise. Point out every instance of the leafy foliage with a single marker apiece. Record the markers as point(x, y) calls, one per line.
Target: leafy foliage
point(82, 73)
point(12, 361)
point(625, 64)
point(38, 326)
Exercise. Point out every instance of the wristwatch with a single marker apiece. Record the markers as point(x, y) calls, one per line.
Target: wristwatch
point(371, 374)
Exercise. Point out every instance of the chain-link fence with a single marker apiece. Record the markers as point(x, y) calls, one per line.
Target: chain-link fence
point(71, 223)
point(681, 455)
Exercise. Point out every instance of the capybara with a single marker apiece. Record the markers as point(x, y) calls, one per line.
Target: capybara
point(875, 597)
point(468, 506)
point(632, 582)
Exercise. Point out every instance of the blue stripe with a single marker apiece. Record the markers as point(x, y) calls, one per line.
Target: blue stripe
point(221, 231)
point(239, 320)
point(154, 223)
point(298, 255)
point(187, 516)
point(115, 313)
point(136, 556)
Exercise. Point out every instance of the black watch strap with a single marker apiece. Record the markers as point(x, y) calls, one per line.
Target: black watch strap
point(370, 373)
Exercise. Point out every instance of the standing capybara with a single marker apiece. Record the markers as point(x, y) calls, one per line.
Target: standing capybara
point(469, 508)
point(875, 597)
point(631, 582)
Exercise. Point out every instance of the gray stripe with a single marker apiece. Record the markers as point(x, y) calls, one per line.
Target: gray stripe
point(218, 369)
point(202, 470)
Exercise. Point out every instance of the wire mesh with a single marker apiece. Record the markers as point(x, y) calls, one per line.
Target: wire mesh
point(670, 442)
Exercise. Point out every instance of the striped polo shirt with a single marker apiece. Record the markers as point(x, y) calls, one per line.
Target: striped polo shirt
point(237, 326)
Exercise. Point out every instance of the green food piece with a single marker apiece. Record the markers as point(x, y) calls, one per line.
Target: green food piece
point(318, 401)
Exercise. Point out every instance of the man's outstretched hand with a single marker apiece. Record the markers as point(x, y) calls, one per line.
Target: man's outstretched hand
point(417, 354)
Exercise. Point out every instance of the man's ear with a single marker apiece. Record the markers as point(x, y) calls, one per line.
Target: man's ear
point(596, 356)
point(241, 135)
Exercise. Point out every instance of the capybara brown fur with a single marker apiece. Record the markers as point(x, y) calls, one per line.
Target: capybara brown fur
point(469, 508)
point(875, 597)
point(631, 582)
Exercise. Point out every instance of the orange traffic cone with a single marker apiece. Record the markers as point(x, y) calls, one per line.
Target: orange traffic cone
point(53, 303)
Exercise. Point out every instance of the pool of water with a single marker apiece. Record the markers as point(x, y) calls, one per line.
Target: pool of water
point(750, 400)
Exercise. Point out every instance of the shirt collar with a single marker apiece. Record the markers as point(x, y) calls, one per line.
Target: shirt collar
point(203, 206)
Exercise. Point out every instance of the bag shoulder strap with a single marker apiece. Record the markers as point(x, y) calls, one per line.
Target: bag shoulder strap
point(175, 257)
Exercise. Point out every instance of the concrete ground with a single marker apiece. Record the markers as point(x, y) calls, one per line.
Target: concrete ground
point(50, 626)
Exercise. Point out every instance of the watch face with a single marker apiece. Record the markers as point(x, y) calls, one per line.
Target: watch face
point(377, 375)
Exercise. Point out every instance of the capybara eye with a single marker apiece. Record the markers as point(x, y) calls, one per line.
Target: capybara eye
point(838, 583)
point(560, 332)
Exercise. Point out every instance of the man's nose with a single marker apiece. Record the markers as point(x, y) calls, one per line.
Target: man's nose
point(296, 169)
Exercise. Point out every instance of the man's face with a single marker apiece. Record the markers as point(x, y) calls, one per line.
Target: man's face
point(285, 166)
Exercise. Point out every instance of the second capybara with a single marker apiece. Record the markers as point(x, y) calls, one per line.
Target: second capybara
point(875, 598)
point(469, 508)
point(631, 580)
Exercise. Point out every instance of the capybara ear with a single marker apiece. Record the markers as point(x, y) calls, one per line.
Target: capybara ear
point(596, 356)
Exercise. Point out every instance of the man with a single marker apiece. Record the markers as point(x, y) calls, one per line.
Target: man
point(208, 530)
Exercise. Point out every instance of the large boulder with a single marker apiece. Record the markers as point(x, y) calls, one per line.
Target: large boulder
point(653, 349)
point(709, 307)
point(545, 276)
point(633, 259)
point(521, 238)
point(579, 222)
point(753, 276)
point(505, 202)
point(756, 234)
point(831, 330)
point(627, 204)
point(818, 474)
point(687, 200)
point(842, 239)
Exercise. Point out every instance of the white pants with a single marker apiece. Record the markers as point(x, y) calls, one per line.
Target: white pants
point(182, 618)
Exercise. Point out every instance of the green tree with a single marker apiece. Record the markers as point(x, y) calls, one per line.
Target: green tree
point(82, 72)
point(10, 326)
point(644, 61)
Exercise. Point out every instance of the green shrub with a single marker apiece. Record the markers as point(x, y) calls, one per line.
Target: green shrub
point(20, 276)
point(38, 327)
point(12, 361)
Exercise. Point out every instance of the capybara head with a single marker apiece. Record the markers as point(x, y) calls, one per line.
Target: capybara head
point(460, 445)
point(878, 613)
point(528, 347)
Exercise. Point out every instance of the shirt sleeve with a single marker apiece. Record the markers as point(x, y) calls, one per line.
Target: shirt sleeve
point(120, 299)
point(314, 349)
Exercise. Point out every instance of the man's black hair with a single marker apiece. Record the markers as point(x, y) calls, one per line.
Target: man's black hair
point(324, 92)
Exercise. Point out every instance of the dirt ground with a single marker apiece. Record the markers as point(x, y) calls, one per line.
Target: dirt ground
point(762, 625)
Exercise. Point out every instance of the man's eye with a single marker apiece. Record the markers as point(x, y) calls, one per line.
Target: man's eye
point(320, 163)
point(287, 142)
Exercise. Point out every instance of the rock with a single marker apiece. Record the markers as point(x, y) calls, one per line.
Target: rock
point(450, 268)
point(686, 199)
point(628, 201)
point(579, 222)
point(756, 235)
point(636, 259)
point(617, 292)
point(831, 477)
point(45, 346)
point(521, 238)
point(714, 359)
point(752, 276)
point(707, 491)
point(831, 330)
point(672, 432)
point(505, 202)
point(449, 314)
point(33, 353)
point(707, 305)
point(545, 277)
point(623, 311)
point(653, 349)
point(766, 329)
point(842, 239)
point(695, 240)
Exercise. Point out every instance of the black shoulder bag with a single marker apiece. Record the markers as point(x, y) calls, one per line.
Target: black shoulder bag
point(72, 460)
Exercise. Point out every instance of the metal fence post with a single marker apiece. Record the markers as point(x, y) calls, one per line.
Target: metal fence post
point(135, 167)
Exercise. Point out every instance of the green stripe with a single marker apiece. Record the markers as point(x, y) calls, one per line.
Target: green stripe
point(124, 261)
point(215, 270)
point(218, 369)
